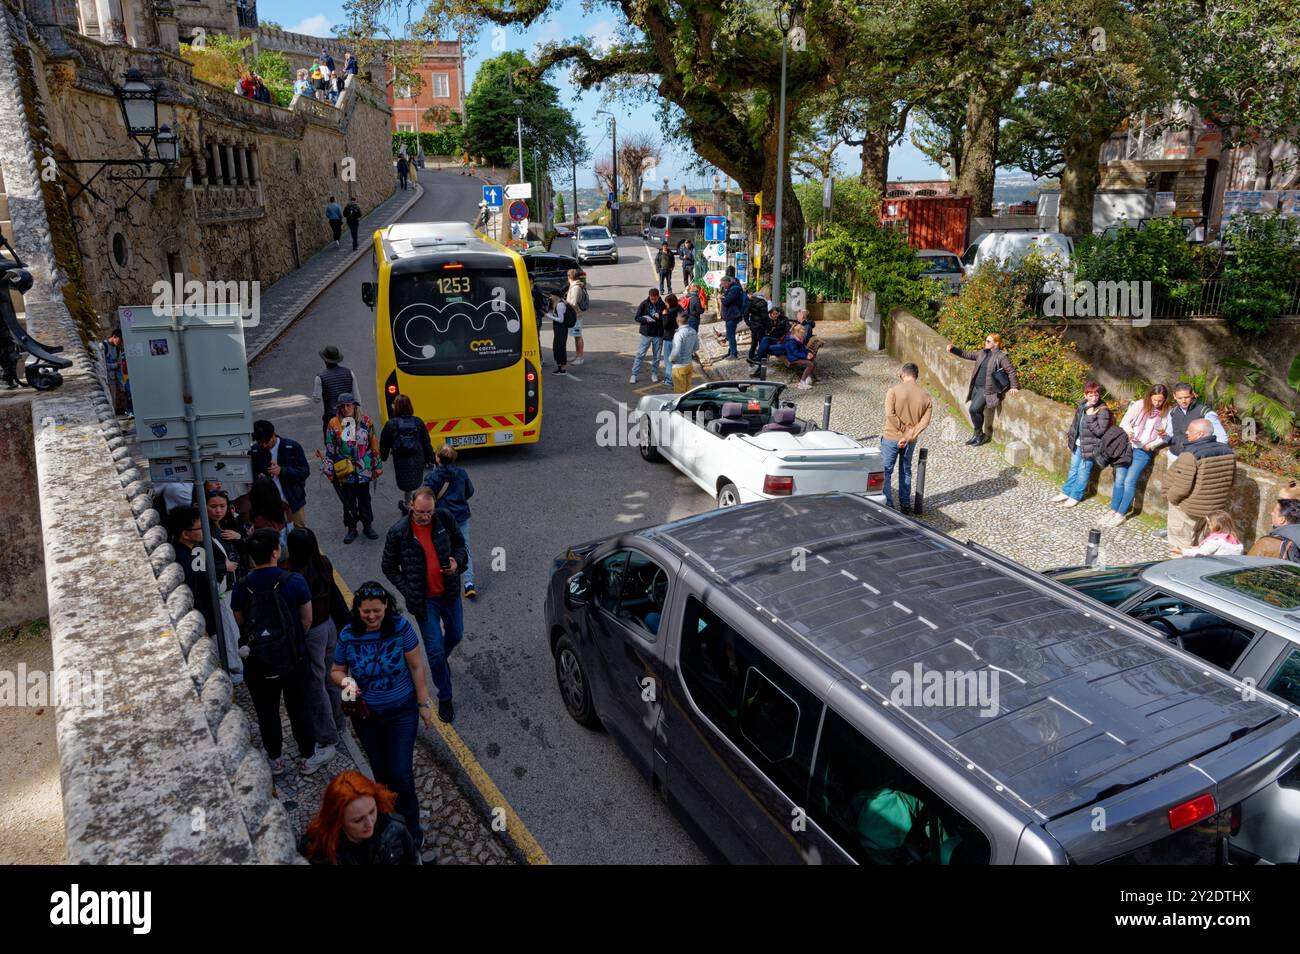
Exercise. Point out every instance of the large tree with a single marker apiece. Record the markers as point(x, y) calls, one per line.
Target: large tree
point(491, 115)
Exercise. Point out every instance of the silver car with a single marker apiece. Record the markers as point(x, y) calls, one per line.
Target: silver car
point(594, 243)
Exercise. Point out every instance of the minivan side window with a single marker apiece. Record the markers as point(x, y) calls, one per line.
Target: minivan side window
point(765, 712)
point(878, 812)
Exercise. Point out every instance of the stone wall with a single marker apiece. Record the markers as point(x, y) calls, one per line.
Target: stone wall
point(1041, 424)
point(258, 231)
point(1166, 349)
point(22, 568)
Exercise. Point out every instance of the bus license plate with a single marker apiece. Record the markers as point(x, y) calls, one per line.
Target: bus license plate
point(504, 437)
point(467, 439)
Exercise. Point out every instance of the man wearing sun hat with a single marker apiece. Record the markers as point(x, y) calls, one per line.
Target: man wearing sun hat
point(333, 380)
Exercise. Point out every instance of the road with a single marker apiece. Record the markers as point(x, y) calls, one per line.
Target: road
point(574, 790)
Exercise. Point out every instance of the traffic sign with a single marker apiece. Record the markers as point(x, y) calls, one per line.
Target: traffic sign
point(742, 267)
point(767, 220)
point(716, 252)
point(715, 228)
point(746, 197)
point(518, 210)
point(519, 190)
point(492, 196)
point(611, 198)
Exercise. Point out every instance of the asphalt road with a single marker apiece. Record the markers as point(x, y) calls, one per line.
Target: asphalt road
point(572, 787)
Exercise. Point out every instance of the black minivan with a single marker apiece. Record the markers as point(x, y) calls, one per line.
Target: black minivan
point(804, 681)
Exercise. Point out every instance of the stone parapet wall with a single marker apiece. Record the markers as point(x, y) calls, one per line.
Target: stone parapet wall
point(163, 770)
point(1041, 424)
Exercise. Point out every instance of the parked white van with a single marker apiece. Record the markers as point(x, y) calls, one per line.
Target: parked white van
point(1011, 248)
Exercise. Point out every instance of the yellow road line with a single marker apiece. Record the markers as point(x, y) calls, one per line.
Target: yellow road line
point(515, 828)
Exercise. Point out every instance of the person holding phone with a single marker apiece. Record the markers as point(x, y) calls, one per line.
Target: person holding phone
point(423, 556)
point(1144, 422)
point(994, 376)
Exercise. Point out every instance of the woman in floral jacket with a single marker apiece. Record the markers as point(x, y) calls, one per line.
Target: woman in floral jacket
point(352, 462)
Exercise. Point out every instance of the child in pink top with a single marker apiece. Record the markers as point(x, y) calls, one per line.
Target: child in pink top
point(1220, 539)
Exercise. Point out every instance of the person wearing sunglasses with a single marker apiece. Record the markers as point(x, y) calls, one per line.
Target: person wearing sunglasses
point(424, 554)
point(380, 672)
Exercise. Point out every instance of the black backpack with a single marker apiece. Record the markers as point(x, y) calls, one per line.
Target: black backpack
point(584, 300)
point(271, 632)
point(756, 315)
point(408, 437)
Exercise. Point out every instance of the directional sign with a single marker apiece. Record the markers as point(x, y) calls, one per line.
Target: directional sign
point(715, 228)
point(742, 267)
point(713, 278)
point(492, 196)
point(519, 190)
point(518, 210)
point(716, 252)
point(611, 198)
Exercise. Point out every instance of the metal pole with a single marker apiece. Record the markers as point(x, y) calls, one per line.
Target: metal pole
point(918, 483)
point(519, 131)
point(614, 212)
point(826, 413)
point(196, 462)
point(780, 184)
point(1094, 548)
point(575, 199)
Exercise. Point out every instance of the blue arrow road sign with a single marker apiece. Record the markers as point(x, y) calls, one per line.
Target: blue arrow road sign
point(492, 196)
point(715, 228)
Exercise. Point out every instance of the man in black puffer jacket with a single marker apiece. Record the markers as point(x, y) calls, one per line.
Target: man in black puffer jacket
point(758, 321)
point(423, 556)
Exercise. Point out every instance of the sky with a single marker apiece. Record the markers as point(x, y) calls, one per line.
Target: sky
point(599, 27)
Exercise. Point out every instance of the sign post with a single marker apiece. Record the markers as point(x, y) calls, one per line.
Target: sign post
point(189, 368)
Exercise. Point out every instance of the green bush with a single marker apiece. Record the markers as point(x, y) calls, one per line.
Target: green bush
point(882, 261)
point(992, 302)
point(1262, 264)
point(1158, 253)
point(444, 142)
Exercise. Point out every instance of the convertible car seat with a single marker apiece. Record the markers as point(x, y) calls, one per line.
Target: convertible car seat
point(783, 419)
point(732, 421)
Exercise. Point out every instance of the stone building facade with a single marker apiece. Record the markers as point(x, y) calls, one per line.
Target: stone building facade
point(244, 203)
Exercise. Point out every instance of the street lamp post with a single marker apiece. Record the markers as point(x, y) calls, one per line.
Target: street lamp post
point(614, 209)
point(783, 24)
point(519, 130)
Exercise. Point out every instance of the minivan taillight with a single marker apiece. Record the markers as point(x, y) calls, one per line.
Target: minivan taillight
point(1189, 813)
point(778, 486)
point(875, 482)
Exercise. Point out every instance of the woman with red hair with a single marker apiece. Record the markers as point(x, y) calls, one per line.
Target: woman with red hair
point(993, 377)
point(357, 826)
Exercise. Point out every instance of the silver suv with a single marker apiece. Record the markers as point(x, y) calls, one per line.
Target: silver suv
point(594, 243)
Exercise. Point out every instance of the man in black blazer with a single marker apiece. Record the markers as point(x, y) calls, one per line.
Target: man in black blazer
point(284, 461)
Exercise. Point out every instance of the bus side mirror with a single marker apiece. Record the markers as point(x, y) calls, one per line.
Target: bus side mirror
point(368, 294)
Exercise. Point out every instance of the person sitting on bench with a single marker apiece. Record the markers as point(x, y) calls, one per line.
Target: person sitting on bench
point(797, 356)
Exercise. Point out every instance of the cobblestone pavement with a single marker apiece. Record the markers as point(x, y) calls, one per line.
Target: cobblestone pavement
point(288, 298)
point(971, 493)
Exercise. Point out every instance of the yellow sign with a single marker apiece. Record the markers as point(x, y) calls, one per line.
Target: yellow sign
point(758, 199)
point(483, 344)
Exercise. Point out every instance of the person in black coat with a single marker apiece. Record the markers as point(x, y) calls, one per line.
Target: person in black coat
point(985, 391)
point(406, 437)
point(1091, 421)
point(285, 462)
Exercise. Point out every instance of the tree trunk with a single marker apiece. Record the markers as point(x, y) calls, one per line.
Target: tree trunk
point(980, 150)
point(1079, 179)
point(875, 159)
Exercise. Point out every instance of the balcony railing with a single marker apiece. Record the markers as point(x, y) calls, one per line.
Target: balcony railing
point(247, 15)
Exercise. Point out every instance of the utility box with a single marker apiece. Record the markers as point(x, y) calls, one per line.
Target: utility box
point(937, 222)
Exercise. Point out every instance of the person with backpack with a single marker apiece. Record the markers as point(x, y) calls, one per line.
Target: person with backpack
point(758, 321)
point(452, 489)
point(273, 609)
point(380, 671)
point(406, 437)
point(694, 306)
point(687, 253)
point(664, 268)
point(576, 297)
point(329, 612)
point(649, 318)
point(423, 556)
point(1090, 423)
point(1283, 541)
point(562, 319)
point(352, 464)
point(334, 215)
point(403, 170)
point(352, 215)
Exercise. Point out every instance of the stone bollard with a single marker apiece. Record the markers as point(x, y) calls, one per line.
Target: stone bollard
point(1017, 453)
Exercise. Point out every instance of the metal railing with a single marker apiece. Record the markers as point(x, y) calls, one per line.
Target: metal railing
point(1204, 302)
point(820, 284)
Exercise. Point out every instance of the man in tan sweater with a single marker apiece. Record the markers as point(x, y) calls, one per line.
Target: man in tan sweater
point(1198, 483)
point(907, 414)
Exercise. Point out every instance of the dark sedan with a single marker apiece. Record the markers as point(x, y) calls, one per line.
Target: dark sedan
point(549, 271)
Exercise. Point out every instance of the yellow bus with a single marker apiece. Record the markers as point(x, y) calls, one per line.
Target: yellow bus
point(455, 331)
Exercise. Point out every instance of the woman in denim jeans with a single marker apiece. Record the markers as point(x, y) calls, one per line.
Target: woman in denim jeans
point(1144, 423)
point(1091, 419)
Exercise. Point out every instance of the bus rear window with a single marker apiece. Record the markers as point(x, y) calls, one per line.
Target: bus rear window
point(455, 320)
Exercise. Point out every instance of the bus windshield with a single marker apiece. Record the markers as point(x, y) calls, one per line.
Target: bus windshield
point(456, 320)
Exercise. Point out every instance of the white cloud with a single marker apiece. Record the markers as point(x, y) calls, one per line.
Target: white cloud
point(319, 25)
point(602, 36)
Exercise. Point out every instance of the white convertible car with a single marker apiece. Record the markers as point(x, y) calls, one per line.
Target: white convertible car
point(740, 442)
